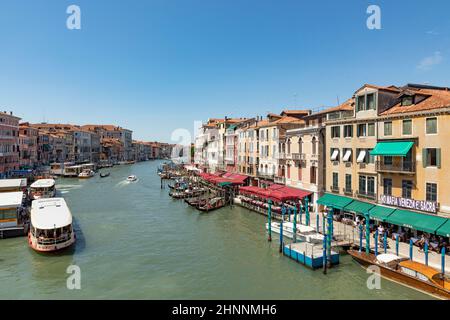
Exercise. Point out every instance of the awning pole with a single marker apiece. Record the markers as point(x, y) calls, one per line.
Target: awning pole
point(307, 210)
point(367, 233)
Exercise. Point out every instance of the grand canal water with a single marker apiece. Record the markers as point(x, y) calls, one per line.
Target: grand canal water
point(135, 242)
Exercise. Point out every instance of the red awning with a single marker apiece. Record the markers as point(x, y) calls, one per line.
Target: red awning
point(233, 178)
point(276, 192)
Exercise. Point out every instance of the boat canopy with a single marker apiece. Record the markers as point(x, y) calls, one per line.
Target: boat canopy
point(43, 183)
point(11, 199)
point(50, 213)
point(392, 148)
point(276, 192)
point(416, 221)
point(12, 183)
point(387, 257)
point(335, 201)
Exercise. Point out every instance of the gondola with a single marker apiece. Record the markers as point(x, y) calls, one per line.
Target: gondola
point(211, 204)
point(104, 175)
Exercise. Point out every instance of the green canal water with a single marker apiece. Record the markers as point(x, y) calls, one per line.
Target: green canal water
point(135, 242)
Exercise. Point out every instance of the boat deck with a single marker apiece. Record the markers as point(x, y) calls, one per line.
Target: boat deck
point(308, 254)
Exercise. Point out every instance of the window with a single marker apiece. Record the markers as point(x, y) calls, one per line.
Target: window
point(362, 184)
point(431, 157)
point(371, 129)
point(371, 101)
point(387, 187)
point(370, 185)
point(431, 192)
point(300, 145)
point(431, 125)
point(407, 189)
point(361, 155)
point(370, 158)
point(407, 100)
point(361, 103)
point(348, 182)
point(388, 128)
point(335, 132)
point(314, 145)
point(348, 131)
point(334, 154)
point(407, 127)
point(347, 155)
point(387, 160)
point(361, 130)
point(313, 175)
point(335, 180)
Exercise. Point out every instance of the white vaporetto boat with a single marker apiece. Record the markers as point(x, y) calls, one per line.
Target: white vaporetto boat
point(43, 188)
point(304, 233)
point(132, 178)
point(51, 225)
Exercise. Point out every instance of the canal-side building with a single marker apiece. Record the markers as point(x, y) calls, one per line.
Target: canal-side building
point(248, 146)
point(231, 148)
point(28, 139)
point(273, 149)
point(413, 171)
point(9, 143)
point(306, 151)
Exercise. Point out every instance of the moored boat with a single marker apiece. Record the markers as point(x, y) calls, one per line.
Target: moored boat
point(211, 204)
point(43, 188)
point(51, 225)
point(406, 272)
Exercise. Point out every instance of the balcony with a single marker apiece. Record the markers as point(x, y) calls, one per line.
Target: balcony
point(347, 192)
point(397, 167)
point(281, 180)
point(366, 195)
point(281, 156)
point(334, 189)
point(299, 156)
point(266, 176)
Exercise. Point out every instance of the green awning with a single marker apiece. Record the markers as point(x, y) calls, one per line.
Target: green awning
point(359, 207)
point(333, 200)
point(380, 213)
point(417, 221)
point(444, 230)
point(392, 148)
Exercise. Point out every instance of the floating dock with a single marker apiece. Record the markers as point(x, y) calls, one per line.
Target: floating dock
point(309, 254)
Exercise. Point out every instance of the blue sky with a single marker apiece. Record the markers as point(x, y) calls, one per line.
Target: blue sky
point(156, 65)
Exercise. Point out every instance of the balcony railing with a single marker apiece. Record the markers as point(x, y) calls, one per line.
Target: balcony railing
point(396, 166)
point(281, 180)
point(366, 195)
point(348, 192)
point(281, 155)
point(266, 176)
point(334, 189)
point(299, 156)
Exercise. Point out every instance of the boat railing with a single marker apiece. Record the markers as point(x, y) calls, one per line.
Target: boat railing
point(57, 240)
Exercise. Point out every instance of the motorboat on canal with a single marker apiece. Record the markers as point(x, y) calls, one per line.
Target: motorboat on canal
point(51, 225)
point(43, 188)
point(86, 174)
point(304, 233)
point(104, 175)
point(132, 178)
point(406, 272)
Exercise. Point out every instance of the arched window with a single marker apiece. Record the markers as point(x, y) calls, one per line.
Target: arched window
point(289, 146)
point(314, 145)
point(300, 145)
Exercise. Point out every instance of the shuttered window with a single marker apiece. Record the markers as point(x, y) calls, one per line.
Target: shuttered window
point(431, 125)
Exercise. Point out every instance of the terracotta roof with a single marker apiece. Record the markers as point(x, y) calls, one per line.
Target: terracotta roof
point(282, 120)
point(346, 106)
point(295, 112)
point(391, 88)
point(433, 99)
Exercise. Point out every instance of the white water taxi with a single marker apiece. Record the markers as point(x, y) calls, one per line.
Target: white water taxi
point(86, 173)
point(43, 188)
point(51, 225)
point(131, 178)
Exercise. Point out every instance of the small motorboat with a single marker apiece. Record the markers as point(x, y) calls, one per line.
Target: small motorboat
point(104, 175)
point(86, 173)
point(132, 178)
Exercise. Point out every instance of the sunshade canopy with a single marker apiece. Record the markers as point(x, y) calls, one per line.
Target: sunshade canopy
point(333, 200)
point(416, 221)
point(392, 148)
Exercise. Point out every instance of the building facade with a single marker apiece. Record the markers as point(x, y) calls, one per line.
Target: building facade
point(9, 143)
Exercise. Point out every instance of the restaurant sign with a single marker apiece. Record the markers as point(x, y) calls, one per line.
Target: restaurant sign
point(420, 205)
